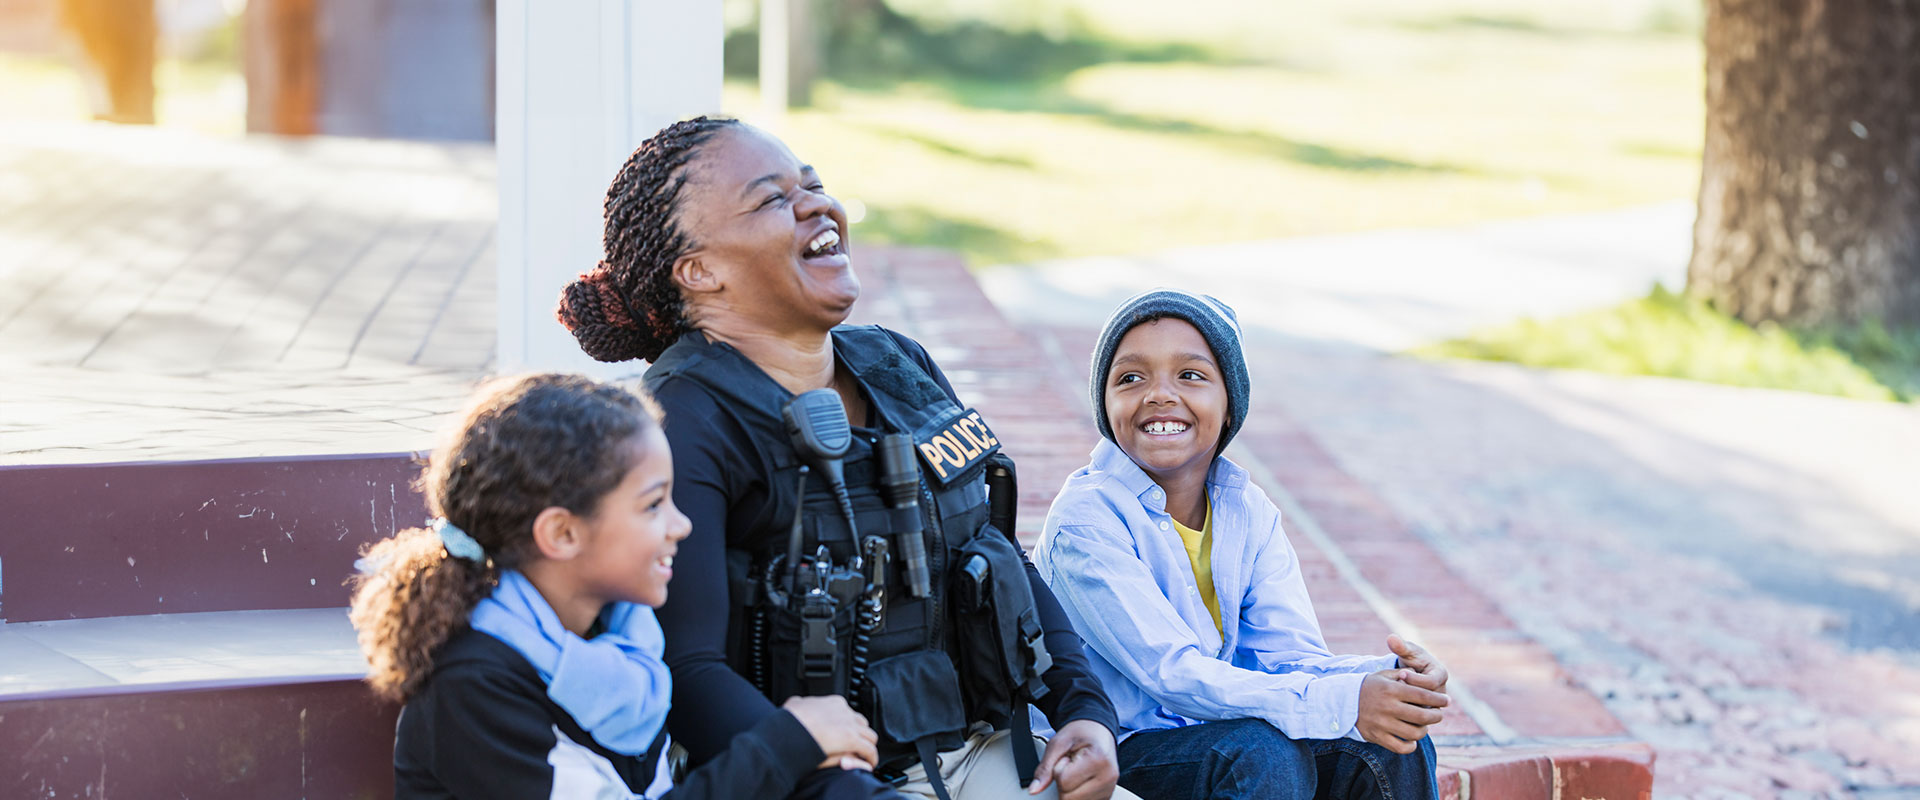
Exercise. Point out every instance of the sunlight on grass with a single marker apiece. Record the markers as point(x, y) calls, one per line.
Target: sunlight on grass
point(1301, 31)
point(189, 94)
point(1378, 124)
point(1670, 335)
point(41, 88)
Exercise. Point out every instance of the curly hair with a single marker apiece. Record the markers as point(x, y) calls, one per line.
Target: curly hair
point(524, 445)
point(628, 306)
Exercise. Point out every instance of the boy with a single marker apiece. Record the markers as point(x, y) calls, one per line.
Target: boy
point(1173, 567)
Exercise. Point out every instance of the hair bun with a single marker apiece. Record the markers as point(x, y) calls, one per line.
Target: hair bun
point(596, 314)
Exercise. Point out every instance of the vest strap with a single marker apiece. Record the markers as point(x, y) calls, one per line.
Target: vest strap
point(1025, 761)
point(931, 761)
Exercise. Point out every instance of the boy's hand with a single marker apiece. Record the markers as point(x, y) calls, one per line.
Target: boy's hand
point(1080, 758)
point(1395, 713)
point(1429, 673)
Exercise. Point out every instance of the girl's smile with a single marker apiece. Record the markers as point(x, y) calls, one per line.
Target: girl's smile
point(631, 538)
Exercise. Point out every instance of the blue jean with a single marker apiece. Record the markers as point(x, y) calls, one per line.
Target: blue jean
point(1248, 758)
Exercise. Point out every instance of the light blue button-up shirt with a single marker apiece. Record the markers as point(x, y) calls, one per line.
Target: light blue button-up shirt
point(1111, 555)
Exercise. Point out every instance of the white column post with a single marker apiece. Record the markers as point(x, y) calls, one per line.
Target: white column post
point(775, 19)
point(580, 84)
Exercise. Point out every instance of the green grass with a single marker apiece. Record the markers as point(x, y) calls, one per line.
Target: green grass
point(197, 84)
point(1674, 336)
point(189, 94)
point(1286, 118)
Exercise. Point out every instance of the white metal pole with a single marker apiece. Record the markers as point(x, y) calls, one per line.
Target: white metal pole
point(775, 21)
point(580, 85)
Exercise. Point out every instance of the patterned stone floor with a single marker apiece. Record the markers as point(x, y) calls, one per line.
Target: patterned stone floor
point(169, 296)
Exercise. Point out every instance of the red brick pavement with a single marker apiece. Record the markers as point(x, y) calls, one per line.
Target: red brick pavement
point(1031, 403)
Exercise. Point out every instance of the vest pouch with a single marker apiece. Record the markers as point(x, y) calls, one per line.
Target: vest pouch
point(914, 699)
point(788, 633)
point(1001, 655)
point(915, 695)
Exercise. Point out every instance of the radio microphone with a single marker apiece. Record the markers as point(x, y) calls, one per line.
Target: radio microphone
point(817, 427)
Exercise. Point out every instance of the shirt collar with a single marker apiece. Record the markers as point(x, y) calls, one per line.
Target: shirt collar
point(1107, 457)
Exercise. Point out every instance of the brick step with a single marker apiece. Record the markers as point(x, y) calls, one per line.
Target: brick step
point(240, 740)
point(134, 653)
point(1619, 770)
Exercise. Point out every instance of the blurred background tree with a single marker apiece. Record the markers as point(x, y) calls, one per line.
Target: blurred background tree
point(118, 38)
point(1810, 185)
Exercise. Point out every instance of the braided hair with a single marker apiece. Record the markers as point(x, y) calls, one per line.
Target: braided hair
point(628, 306)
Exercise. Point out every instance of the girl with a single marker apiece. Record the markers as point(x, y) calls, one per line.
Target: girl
point(519, 632)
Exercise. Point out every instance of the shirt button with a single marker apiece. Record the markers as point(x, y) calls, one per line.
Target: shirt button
point(1156, 494)
point(1163, 526)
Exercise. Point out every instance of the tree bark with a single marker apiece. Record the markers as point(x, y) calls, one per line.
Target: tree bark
point(790, 55)
point(1810, 182)
point(119, 38)
point(283, 66)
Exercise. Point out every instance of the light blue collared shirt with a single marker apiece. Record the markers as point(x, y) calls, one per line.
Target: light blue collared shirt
point(1111, 555)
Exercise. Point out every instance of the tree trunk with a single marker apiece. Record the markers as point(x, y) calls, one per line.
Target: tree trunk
point(283, 66)
point(118, 38)
point(1810, 184)
point(790, 55)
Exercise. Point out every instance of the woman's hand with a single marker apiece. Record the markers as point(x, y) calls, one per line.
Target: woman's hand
point(1080, 758)
point(841, 732)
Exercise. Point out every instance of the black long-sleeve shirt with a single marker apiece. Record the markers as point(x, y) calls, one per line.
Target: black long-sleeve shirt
point(483, 728)
point(721, 483)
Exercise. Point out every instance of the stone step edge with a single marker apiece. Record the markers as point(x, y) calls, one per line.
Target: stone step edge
point(1592, 770)
point(177, 686)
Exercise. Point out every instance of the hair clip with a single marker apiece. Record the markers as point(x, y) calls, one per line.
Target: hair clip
point(457, 542)
point(369, 565)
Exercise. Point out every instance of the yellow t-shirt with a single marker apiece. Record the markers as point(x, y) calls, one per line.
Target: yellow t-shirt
point(1200, 552)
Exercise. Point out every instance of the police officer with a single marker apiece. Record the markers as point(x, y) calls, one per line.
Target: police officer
point(727, 267)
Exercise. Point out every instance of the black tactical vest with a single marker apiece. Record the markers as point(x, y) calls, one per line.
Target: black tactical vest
point(903, 675)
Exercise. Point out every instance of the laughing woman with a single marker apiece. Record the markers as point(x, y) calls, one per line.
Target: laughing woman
point(727, 266)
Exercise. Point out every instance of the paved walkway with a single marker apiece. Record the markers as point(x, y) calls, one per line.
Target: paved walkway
point(170, 296)
point(1384, 290)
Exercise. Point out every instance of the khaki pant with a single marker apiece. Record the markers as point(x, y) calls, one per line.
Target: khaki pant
point(982, 769)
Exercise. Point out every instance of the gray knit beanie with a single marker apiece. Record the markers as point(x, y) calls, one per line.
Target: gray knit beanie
point(1217, 324)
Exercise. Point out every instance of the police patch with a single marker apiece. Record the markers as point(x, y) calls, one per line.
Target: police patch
point(954, 443)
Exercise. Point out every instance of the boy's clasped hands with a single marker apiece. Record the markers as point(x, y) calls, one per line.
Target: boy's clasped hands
point(1398, 705)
